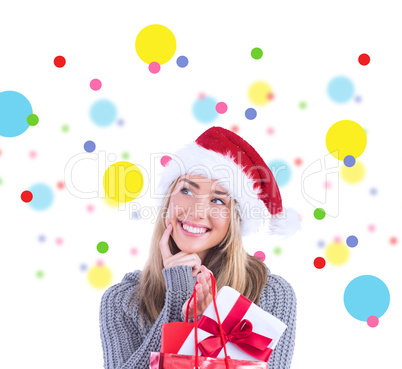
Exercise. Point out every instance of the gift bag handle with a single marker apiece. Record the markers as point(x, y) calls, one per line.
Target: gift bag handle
point(195, 321)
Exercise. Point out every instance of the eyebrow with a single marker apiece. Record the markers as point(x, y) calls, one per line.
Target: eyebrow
point(197, 186)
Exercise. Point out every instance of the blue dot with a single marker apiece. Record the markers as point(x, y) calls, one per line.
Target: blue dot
point(349, 161)
point(83, 267)
point(340, 89)
point(358, 99)
point(89, 146)
point(14, 111)
point(204, 110)
point(120, 122)
point(281, 171)
point(42, 238)
point(103, 113)
point(42, 196)
point(366, 296)
point(352, 241)
point(373, 191)
point(182, 61)
point(250, 113)
point(321, 243)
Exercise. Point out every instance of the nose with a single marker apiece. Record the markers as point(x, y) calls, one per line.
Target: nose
point(201, 207)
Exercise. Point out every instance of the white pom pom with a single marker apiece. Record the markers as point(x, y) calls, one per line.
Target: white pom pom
point(285, 224)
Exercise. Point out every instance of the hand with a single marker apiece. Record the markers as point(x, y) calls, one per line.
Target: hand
point(203, 293)
point(181, 258)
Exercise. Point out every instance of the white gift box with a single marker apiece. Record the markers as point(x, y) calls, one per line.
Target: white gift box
point(264, 324)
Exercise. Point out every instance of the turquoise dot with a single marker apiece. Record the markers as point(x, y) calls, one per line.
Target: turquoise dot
point(14, 111)
point(204, 110)
point(103, 113)
point(366, 296)
point(42, 196)
point(341, 89)
point(281, 171)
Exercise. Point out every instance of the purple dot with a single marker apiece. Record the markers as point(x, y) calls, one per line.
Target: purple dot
point(358, 99)
point(182, 61)
point(83, 267)
point(250, 113)
point(321, 243)
point(89, 146)
point(349, 161)
point(42, 238)
point(373, 191)
point(352, 241)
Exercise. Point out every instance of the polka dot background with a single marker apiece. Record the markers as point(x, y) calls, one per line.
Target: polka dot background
point(87, 126)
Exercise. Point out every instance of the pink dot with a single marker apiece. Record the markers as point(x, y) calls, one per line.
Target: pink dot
point(221, 107)
point(134, 251)
point(60, 185)
point(234, 128)
point(90, 208)
point(154, 67)
point(327, 184)
point(201, 95)
point(371, 228)
point(99, 263)
point(59, 241)
point(95, 84)
point(260, 255)
point(165, 160)
point(270, 96)
point(32, 154)
point(298, 162)
point(372, 321)
point(270, 130)
point(337, 239)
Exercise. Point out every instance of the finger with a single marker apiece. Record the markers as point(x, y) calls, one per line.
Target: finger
point(163, 243)
point(204, 283)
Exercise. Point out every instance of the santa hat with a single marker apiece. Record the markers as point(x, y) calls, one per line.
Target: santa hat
point(223, 155)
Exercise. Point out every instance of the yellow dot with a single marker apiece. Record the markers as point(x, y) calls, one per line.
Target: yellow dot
point(346, 137)
point(123, 181)
point(99, 276)
point(337, 253)
point(353, 174)
point(155, 43)
point(259, 92)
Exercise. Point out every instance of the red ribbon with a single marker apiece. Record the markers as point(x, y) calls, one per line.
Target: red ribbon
point(238, 331)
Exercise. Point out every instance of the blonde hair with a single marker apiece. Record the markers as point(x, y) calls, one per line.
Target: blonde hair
point(229, 262)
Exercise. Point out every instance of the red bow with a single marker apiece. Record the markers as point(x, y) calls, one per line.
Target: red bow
point(238, 331)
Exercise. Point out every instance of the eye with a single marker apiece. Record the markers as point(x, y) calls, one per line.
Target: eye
point(187, 189)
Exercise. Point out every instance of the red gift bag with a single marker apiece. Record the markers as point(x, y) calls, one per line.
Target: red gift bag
point(179, 331)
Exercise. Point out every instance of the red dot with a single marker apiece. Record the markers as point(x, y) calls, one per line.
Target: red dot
point(364, 59)
point(298, 161)
point(319, 262)
point(60, 185)
point(26, 196)
point(270, 96)
point(393, 240)
point(59, 61)
point(234, 128)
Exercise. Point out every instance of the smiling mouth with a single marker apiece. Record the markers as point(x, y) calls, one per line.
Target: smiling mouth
point(181, 225)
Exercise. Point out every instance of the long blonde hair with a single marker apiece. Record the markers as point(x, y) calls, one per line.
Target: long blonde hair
point(229, 262)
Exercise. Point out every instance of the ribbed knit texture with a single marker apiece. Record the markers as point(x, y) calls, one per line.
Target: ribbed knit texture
point(126, 346)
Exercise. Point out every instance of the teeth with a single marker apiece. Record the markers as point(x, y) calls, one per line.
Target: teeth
point(193, 230)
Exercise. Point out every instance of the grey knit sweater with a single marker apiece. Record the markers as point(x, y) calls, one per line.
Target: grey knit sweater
point(126, 346)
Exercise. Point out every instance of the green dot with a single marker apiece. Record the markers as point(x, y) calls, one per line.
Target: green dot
point(32, 119)
point(65, 128)
point(102, 247)
point(40, 273)
point(1, 181)
point(319, 213)
point(302, 105)
point(277, 250)
point(125, 155)
point(256, 53)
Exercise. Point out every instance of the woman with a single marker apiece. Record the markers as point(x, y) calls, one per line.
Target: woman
point(198, 230)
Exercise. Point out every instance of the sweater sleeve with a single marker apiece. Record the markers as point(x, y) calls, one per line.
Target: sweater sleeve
point(123, 345)
point(278, 298)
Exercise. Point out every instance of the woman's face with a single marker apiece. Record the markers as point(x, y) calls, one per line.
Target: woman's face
point(198, 200)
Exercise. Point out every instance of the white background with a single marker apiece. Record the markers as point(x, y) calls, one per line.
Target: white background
point(54, 322)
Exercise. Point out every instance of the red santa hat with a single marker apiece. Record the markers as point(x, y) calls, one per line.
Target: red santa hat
point(221, 154)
